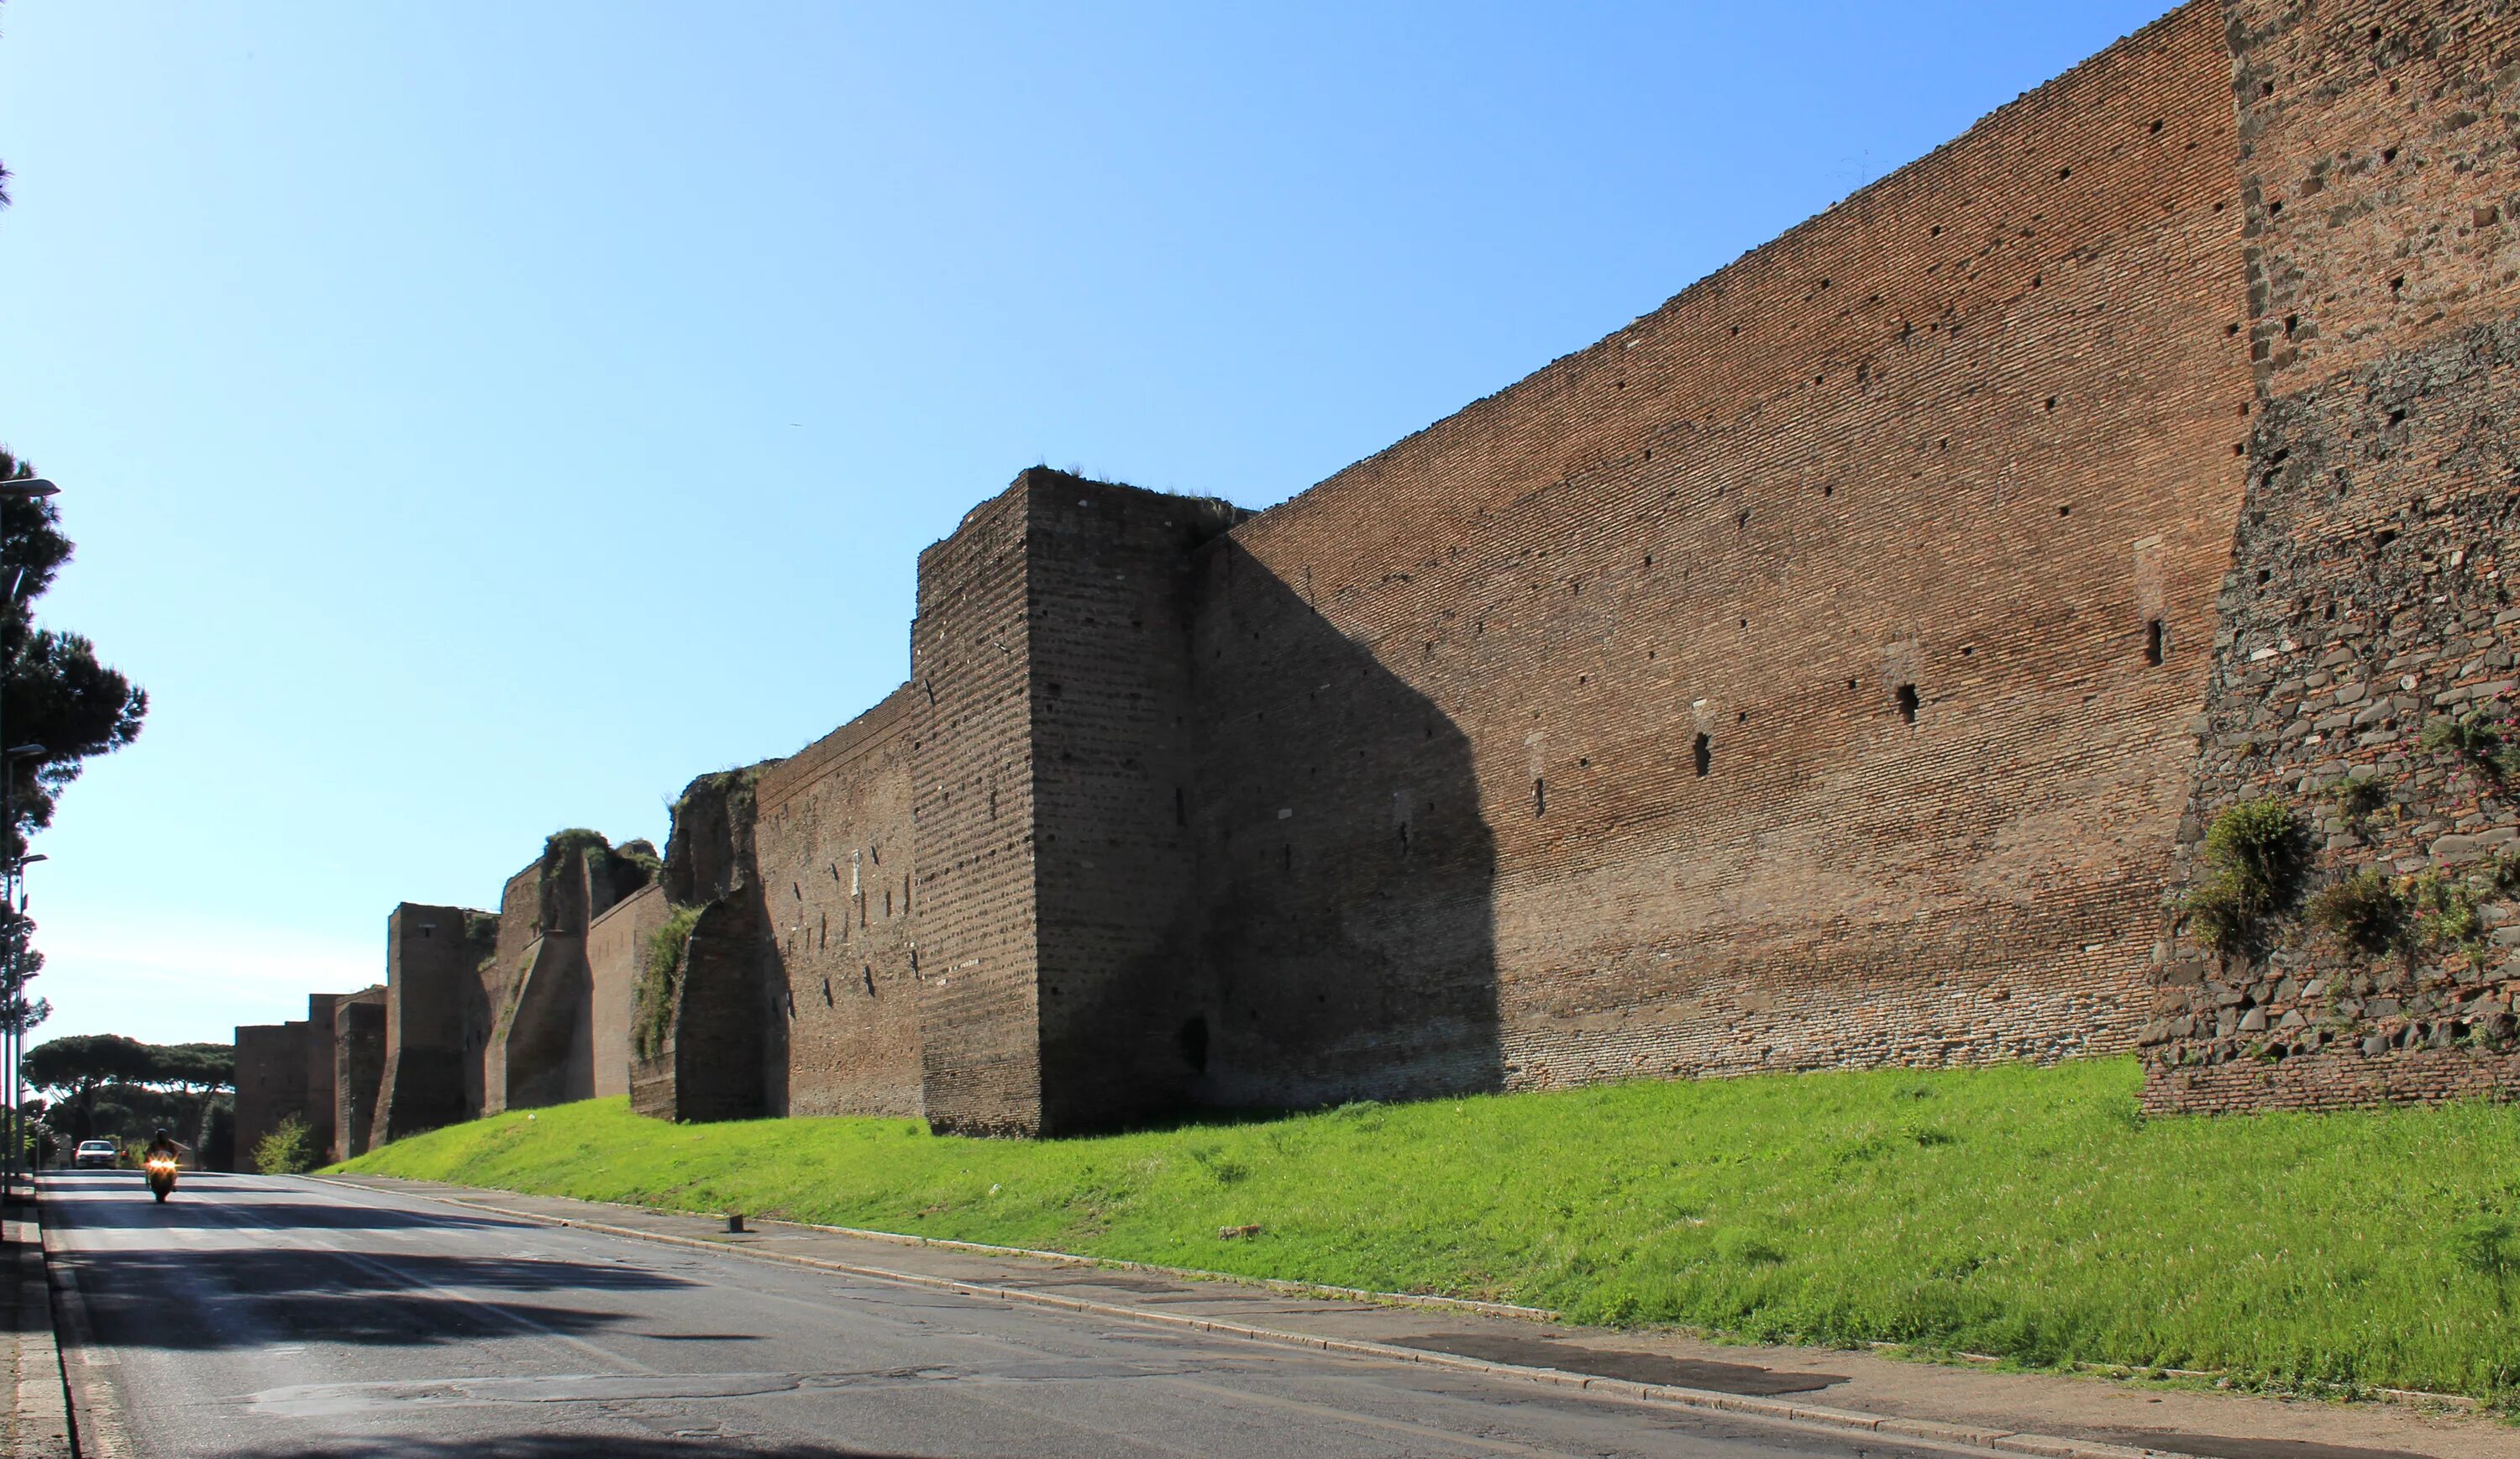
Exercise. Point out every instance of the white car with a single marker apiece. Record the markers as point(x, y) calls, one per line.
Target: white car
point(97, 1155)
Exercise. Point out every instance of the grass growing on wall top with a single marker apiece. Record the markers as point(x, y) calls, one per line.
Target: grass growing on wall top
point(2031, 1212)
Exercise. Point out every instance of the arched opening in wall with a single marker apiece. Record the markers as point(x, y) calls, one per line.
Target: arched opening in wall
point(1908, 702)
point(1704, 754)
point(2152, 642)
point(1194, 1043)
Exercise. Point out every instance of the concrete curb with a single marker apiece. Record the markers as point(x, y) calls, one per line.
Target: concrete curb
point(40, 1419)
point(97, 1430)
point(1798, 1415)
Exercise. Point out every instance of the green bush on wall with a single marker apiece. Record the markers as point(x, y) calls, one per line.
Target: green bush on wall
point(660, 974)
point(2258, 850)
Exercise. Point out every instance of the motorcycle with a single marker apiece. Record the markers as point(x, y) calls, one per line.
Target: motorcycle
point(161, 1177)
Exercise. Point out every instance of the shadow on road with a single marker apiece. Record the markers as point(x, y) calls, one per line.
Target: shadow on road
point(566, 1446)
point(145, 1214)
point(233, 1298)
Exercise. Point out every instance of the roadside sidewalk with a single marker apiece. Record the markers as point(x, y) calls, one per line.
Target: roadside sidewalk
point(2042, 1414)
point(39, 1417)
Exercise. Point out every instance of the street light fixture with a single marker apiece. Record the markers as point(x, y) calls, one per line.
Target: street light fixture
point(30, 486)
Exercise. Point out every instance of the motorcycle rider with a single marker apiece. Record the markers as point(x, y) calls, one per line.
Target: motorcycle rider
point(163, 1143)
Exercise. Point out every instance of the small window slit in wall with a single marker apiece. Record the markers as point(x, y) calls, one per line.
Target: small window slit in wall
point(2152, 642)
point(1908, 702)
point(1538, 796)
point(1705, 752)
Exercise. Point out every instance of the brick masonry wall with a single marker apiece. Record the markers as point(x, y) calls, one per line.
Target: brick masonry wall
point(318, 1099)
point(2366, 597)
point(358, 1069)
point(972, 799)
point(1123, 1030)
point(833, 838)
point(271, 1081)
point(616, 948)
point(431, 976)
point(1769, 684)
point(491, 995)
point(544, 1033)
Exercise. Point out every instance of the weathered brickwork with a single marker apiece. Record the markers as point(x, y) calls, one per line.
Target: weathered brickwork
point(973, 798)
point(833, 838)
point(616, 948)
point(358, 1069)
point(433, 956)
point(1791, 645)
point(1838, 666)
point(2366, 599)
point(270, 1082)
point(321, 1051)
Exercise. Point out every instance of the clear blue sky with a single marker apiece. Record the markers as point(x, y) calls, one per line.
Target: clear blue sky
point(478, 418)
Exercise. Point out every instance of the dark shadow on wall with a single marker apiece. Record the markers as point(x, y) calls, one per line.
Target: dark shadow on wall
point(1346, 873)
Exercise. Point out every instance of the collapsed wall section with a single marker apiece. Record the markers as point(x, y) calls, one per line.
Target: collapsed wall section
point(2369, 628)
point(707, 1025)
point(616, 949)
point(1799, 677)
point(832, 837)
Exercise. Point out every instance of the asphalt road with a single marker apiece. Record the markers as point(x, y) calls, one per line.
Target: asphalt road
point(255, 1316)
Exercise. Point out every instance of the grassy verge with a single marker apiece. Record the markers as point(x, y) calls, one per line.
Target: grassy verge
point(2030, 1213)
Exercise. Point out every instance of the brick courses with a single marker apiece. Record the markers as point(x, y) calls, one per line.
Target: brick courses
point(1838, 666)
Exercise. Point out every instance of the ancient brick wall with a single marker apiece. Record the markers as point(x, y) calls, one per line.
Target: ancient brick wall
point(1123, 1026)
point(432, 963)
point(1771, 685)
point(318, 1100)
point(973, 798)
point(358, 1069)
point(2366, 599)
point(271, 1081)
point(721, 1026)
point(833, 841)
point(490, 999)
point(616, 948)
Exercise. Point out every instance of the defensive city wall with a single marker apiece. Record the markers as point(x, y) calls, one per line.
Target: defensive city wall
point(1841, 665)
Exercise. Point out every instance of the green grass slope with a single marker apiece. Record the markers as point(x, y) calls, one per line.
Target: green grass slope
point(2030, 1213)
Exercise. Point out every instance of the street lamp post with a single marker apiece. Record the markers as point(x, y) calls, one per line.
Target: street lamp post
point(12, 1037)
point(13, 1031)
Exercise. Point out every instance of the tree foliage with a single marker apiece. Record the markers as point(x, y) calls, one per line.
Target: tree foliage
point(83, 1066)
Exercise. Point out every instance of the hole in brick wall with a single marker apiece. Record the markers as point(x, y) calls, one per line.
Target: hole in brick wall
point(2268, 89)
point(1736, 329)
point(2263, 573)
point(2384, 537)
point(2231, 328)
point(2051, 402)
point(828, 999)
point(1938, 230)
point(1538, 796)
point(866, 979)
point(1704, 754)
point(1742, 718)
point(2156, 125)
point(1968, 648)
point(2397, 418)
point(2274, 207)
point(1649, 560)
point(1908, 702)
point(1828, 491)
point(2152, 642)
point(1287, 856)
point(2292, 322)
point(2037, 279)
point(2063, 173)
point(1194, 1043)
point(1849, 684)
